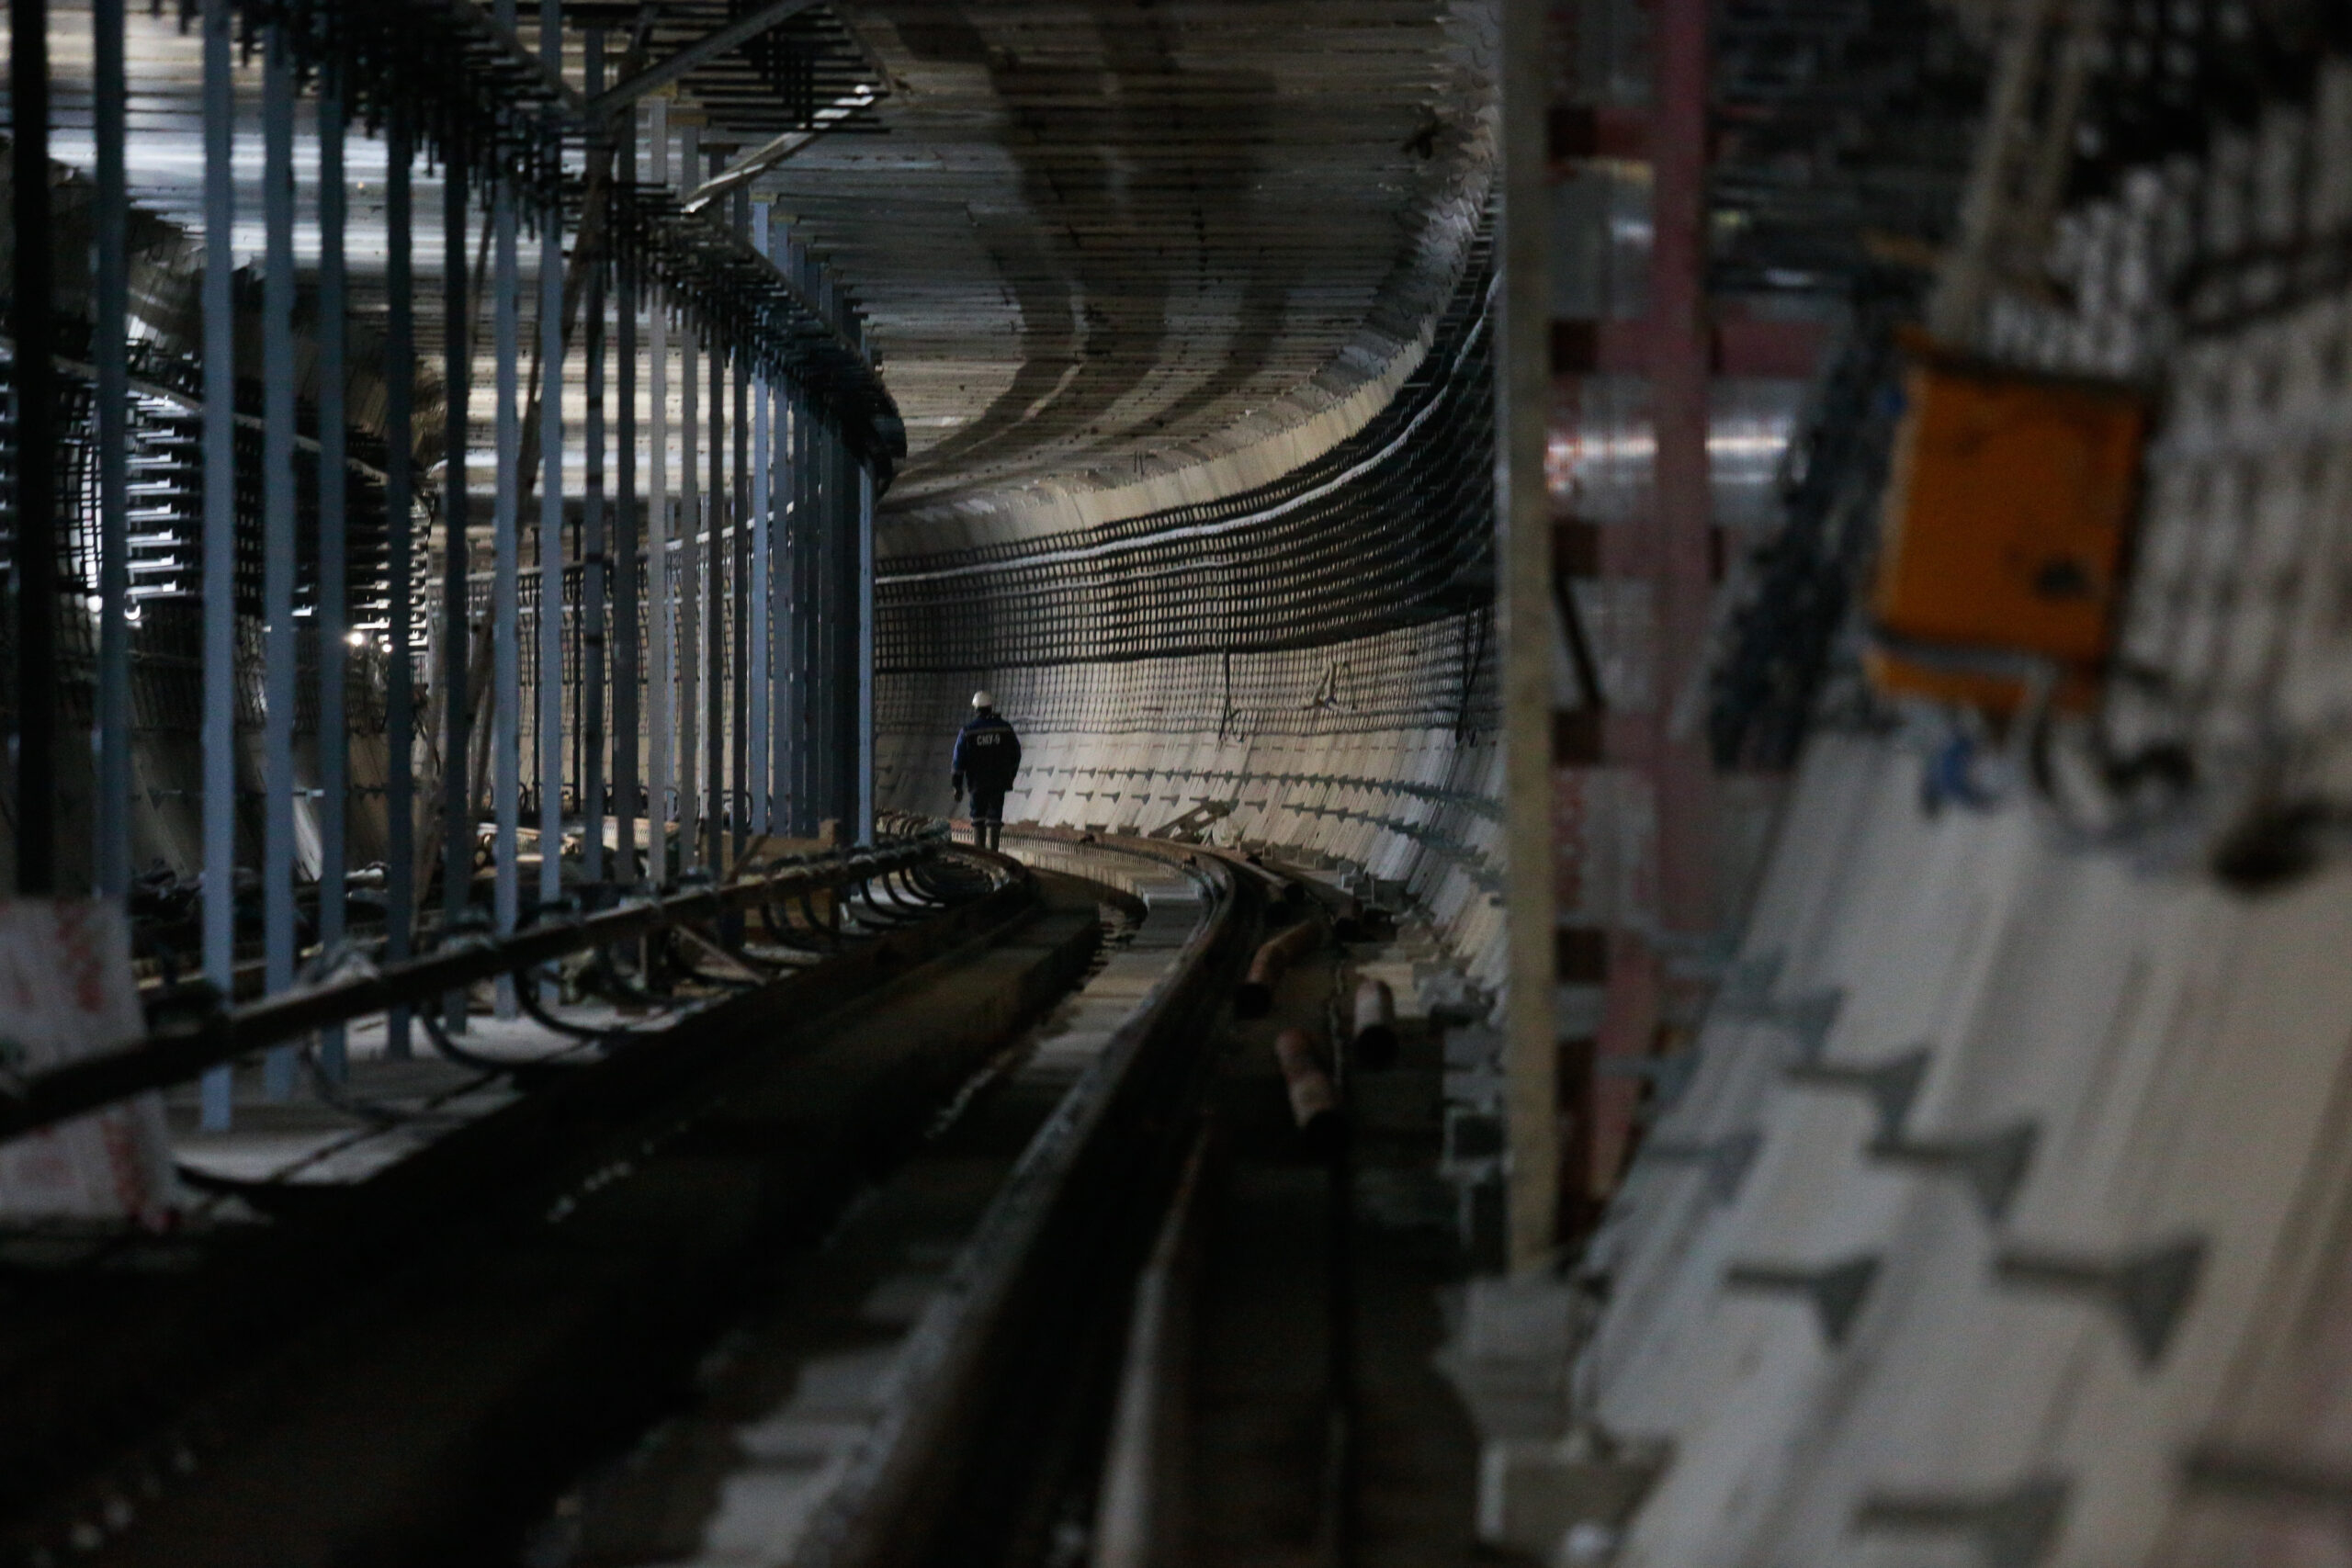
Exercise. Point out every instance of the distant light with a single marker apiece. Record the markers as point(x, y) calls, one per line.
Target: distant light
point(93, 603)
point(358, 639)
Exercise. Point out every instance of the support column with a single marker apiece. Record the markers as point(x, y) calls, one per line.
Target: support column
point(1664, 750)
point(763, 586)
point(36, 548)
point(808, 616)
point(34, 566)
point(738, 783)
point(863, 765)
point(1523, 552)
point(714, 562)
point(220, 515)
point(333, 615)
point(630, 579)
point(786, 586)
point(691, 525)
point(279, 659)
point(661, 677)
point(109, 350)
point(457, 657)
point(506, 564)
point(551, 455)
point(1679, 394)
point(400, 680)
point(594, 570)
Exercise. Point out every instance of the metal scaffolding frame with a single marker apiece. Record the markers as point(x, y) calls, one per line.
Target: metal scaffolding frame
point(517, 710)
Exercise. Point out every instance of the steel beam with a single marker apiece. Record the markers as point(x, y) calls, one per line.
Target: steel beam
point(738, 176)
point(710, 46)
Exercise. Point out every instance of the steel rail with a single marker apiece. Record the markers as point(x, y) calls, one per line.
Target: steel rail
point(197, 1032)
point(1064, 1208)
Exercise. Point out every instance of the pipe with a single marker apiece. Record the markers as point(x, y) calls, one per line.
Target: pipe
point(1254, 997)
point(1314, 1098)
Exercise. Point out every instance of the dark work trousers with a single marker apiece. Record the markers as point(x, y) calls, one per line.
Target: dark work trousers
point(988, 817)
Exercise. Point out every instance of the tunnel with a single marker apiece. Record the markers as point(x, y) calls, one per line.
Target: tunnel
point(1173, 783)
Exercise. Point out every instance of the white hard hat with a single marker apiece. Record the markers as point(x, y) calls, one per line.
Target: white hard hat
point(983, 700)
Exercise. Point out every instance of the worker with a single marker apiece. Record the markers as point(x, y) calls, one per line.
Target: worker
point(988, 754)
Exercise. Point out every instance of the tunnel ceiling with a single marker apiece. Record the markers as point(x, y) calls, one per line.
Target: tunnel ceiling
point(1109, 249)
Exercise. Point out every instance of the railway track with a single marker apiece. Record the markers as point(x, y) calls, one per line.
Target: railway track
point(818, 1274)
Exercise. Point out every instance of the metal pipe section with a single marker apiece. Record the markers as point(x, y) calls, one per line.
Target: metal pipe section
point(1254, 997)
point(1314, 1099)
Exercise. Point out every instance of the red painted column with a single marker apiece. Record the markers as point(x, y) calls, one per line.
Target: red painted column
point(1673, 884)
point(1679, 373)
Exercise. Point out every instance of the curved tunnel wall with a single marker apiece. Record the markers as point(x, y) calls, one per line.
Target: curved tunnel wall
point(1308, 665)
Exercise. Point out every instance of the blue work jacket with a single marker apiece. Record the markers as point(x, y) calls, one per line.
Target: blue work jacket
point(986, 753)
